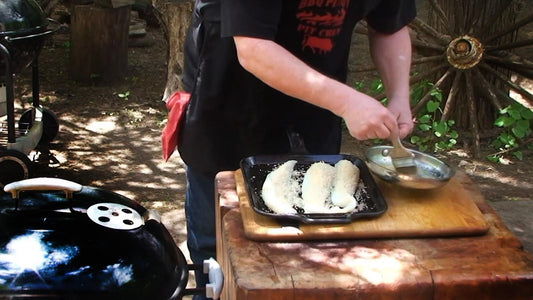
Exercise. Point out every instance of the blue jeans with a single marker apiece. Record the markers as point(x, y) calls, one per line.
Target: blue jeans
point(200, 214)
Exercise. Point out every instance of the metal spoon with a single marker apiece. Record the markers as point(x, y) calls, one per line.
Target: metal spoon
point(402, 159)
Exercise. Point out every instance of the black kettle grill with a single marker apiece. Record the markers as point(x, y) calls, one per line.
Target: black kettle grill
point(23, 29)
point(62, 240)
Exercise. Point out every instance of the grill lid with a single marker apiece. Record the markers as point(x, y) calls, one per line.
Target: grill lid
point(21, 17)
point(53, 245)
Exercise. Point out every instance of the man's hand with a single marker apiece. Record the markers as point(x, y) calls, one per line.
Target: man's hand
point(402, 112)
point(366, 118)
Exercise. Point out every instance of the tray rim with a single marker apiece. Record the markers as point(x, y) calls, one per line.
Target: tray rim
point(340, 218)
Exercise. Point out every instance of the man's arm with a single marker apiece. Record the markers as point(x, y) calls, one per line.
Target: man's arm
point(392, 55)
point(365, 117)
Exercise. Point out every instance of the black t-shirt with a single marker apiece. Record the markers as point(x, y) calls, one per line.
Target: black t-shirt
point(232, 114)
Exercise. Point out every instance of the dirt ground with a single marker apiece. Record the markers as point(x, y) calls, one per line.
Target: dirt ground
point(110, 134)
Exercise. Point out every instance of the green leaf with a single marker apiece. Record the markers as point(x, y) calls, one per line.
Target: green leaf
point(424, 119)
point(506, 110)
point(414, 139)
point(504, 137)
point(424, 127)
point(432, 106)
point(437, 94)
point(518, 132)
point(441, 146)
point(524, 124)
point(499, 122)
point(417, 94)
point(454, 134)
point(441, 128)
point(521, 128)
point(377, 85)
point(527, 114)
point(504, 121)
point(515, 114)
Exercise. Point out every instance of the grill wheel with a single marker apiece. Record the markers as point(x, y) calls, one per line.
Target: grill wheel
point(50, 124)
point(14, 166)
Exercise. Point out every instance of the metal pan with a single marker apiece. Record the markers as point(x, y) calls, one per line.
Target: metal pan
point(256, 168)
point(431, 172)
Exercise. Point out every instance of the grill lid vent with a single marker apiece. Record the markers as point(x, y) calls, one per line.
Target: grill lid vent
point(115, 216)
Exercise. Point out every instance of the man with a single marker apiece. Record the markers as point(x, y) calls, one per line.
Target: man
point(257, 69)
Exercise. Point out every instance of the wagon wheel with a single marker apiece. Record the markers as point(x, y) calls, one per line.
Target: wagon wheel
point(472, 57)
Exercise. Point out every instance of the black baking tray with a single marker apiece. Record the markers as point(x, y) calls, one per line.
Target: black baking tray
point(256, 168)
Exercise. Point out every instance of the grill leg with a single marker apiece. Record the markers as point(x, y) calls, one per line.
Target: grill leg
point(10, 97)
point(35, 82)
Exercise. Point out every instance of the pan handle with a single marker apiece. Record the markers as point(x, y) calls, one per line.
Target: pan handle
point(42, 184)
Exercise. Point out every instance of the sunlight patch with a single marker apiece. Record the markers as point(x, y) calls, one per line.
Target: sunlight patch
point(373, 266)
point(102, 126)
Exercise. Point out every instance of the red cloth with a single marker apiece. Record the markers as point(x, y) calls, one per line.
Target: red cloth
point(176, 104)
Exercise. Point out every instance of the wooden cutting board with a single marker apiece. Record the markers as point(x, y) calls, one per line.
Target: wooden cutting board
point(447, 211)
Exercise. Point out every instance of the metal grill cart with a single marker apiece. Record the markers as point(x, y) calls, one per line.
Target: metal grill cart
point(23, 29)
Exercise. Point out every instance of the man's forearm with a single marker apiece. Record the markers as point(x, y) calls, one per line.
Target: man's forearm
point(283, 71)
point(392, 55)
point(365, 117)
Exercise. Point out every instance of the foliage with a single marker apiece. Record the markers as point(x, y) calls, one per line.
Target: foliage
point(124, 95)
point(515, 120)
point(433, 134)
point(430, 133)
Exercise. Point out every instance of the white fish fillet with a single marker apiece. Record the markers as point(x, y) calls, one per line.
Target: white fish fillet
point(344, 186)
point(325, 188)
point(279, 191)
point(316, 187)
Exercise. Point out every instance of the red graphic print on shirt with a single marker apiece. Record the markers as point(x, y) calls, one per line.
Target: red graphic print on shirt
point(320, 22)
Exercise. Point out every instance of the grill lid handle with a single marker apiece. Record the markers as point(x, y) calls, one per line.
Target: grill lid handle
point(42, 184)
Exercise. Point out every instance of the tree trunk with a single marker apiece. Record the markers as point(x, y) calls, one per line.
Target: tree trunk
point(174, 16)
point(99, 43)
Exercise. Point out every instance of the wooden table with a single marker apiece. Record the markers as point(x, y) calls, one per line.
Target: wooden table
point(489, 266)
